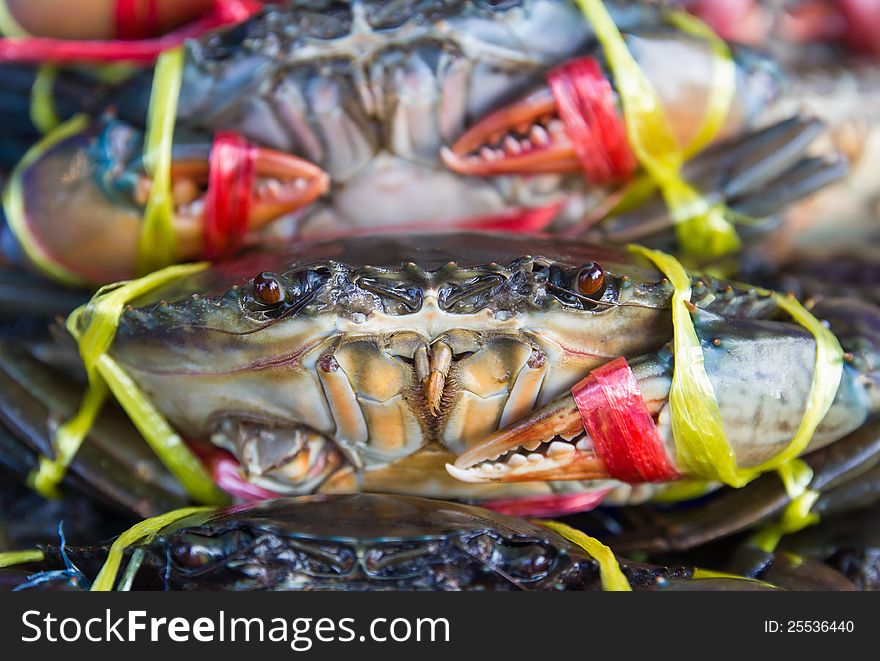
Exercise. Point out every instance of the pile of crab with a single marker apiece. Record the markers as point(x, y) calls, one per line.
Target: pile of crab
point(438, 295)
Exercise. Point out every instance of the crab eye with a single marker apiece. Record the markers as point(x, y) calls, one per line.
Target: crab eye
point(591, 280)
point(268, 290)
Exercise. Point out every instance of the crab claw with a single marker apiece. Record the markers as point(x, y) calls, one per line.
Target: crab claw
point(529, 137)
point(284, 183)
point(101, 20)
point(548, 444)
point(76, 201)
point(526, 137)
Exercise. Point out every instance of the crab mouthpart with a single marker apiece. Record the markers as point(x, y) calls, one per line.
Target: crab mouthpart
point(548, 444)
point(526, 137)
point(291, 460)
point(435, 384)
point(283, 184)
point(310, 466)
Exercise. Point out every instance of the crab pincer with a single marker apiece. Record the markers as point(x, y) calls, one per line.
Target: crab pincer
point(95, 175)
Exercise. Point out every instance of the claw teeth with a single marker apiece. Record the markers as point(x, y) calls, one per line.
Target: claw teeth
point(532, 446)
point(512, 146)
point(517, 460)
point(558, 448)
point(583, 445)
point(535, 458)
point(466, 475)
point(488, 154)
point(539, 135)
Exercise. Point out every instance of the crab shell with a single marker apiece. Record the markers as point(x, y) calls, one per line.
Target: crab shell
point(367, 542)
point(358, 542)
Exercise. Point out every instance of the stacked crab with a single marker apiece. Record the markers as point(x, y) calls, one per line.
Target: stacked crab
point(403, 275)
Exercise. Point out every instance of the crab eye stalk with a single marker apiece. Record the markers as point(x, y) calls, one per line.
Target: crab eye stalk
point(268, 290)
point(590, 280)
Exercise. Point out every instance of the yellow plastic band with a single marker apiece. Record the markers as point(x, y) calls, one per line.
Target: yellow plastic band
point(9, 27)
point(795, 473)
point(702, 228)
point(134, 565)
point(104, 373)
point(702, 449)
point(13, 558)
point(113, 73)
point(682, 490)
point(171, 449)
point(796, 476)
point(158, 246)
point(67, 441)
point(795, 517)
point(613, 578)
point(143, 531)
point(827, 374)
point(700, 573)
point(43, 113)
point(701, 445)
point(703, 574)
point(14, 204)
point(723, 89)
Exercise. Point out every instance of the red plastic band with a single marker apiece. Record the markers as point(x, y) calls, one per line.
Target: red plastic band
point(137, 19)
point(40, 50)
point(230, 186)
point(862, 18)
point(622, 429)
point(586, 106)
point(559, 504)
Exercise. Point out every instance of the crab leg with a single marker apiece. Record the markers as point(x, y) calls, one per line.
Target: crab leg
point(755, 175)
point(735, 510)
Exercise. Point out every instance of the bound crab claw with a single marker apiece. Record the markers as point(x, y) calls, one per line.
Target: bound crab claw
point(105, 20)
point(539, 132)
point(552, 443)
point(95, 180)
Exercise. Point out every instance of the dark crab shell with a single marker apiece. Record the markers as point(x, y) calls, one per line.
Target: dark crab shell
point(365, 542)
